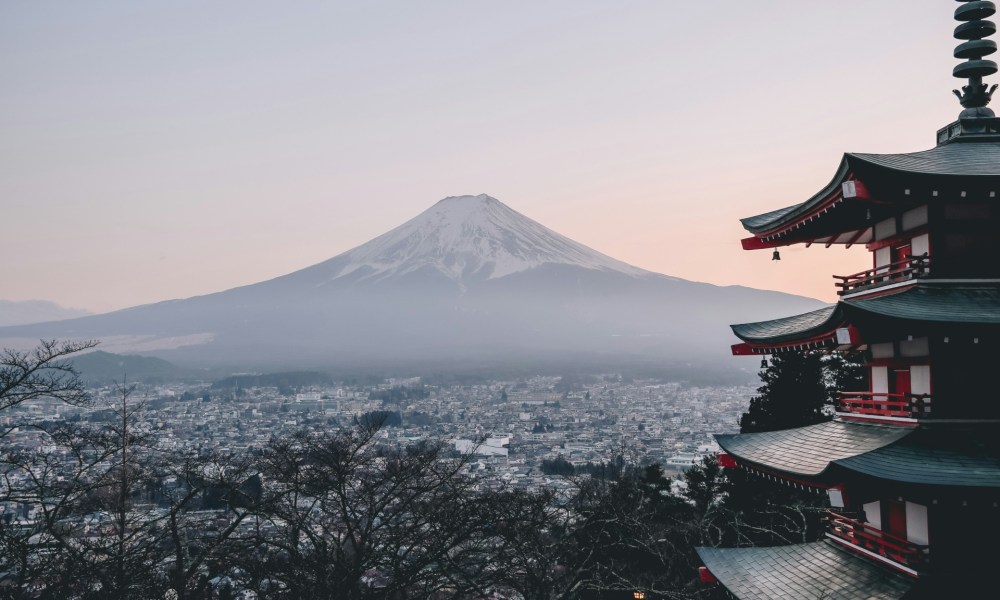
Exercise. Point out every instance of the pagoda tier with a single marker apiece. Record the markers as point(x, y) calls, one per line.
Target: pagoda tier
point(952, 460)
point(826, 570)
point(817, 571)
point(870, 190)
point(931, 463)
point(928, 339)
point(805, 454)
point(892, 490)
point(921, 308)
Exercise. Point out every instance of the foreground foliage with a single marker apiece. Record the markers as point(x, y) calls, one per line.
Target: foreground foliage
point(106, 511)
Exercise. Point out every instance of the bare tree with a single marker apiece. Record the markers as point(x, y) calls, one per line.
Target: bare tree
point(736, 508)
point(42, 373)
point(108, 514)
point(346, 517)
point(536, 553)
point(101, 510)
point(625, 533)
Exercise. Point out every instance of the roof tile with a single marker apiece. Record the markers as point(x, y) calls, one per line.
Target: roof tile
point(809, 450)
point(802, 572)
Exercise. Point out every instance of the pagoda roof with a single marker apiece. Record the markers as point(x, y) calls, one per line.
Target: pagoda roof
point(924, 301)
point(790, 328)
point(808, 451)
point(960, 160)
point(954, 160)
point(935, 302)
point(954, 455)
point(939, 456)
point(776, 218)
point(815, 571)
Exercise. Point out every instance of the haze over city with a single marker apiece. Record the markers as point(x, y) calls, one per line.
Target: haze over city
point(157, 152)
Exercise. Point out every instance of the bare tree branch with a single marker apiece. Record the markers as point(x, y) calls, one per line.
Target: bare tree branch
point(42, 373)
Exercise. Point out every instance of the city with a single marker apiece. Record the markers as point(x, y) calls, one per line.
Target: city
point(511, 427)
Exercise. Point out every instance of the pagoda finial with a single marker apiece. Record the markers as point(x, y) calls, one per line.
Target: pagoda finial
point(973, 28)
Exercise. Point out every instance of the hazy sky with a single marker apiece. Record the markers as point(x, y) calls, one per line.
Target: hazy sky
point(162, 150)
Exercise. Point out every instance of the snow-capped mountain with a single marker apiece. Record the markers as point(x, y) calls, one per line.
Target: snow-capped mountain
point(468, 281)
point(467, 239)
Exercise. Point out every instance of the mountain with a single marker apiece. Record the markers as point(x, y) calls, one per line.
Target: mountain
point(468, 283)
point(35, 311)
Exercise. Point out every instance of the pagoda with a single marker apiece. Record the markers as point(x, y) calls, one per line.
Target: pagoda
point(910, 467)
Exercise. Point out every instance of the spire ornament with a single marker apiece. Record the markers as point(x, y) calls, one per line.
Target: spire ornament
point(973, 28)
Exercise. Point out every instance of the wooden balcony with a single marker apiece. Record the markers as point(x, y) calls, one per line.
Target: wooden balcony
point(890, 547)
point(906, 406)
point(912, 267)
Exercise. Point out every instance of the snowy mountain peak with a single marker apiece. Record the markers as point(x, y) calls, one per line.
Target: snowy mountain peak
point(469, 238)
point(466, 200)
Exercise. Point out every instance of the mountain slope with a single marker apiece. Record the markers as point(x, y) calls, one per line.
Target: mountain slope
point(469, 279)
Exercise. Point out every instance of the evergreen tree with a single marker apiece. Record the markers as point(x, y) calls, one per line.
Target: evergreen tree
point(793, 394)
point(739, 508)
point(845, 372)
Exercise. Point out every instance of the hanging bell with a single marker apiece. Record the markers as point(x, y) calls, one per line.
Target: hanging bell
point(776, 255)
point(763, 363)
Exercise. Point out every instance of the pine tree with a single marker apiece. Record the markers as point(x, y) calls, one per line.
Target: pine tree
point(845, 372)
point(793, 394)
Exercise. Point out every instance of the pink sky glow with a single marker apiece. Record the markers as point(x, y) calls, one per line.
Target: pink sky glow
point(164, 151)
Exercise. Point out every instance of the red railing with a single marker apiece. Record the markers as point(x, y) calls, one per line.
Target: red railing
point(894, 548)
point(910, 267)
point(911, 406)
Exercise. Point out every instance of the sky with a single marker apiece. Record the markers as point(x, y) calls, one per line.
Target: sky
point(164, 150)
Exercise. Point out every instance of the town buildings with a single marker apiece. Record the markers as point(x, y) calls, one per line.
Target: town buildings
point(536, 420)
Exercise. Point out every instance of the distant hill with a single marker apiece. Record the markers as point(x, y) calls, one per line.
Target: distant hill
point(35, 311)
point(468, 284)
point(102, 368)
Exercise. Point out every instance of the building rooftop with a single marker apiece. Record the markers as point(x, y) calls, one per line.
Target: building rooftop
point(981, 160)
point(808, 451)
point(817, 571)
point(936, 302)
point(953, 455)
point(958, 456)
point(790, 328)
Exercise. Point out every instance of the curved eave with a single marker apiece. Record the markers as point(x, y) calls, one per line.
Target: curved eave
point(936, 456)
point(803, 222)
point(806, 452)
point(835, 215)
point(815, 571)
point(789, 328)
point(770, 222)
point(822, 328)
